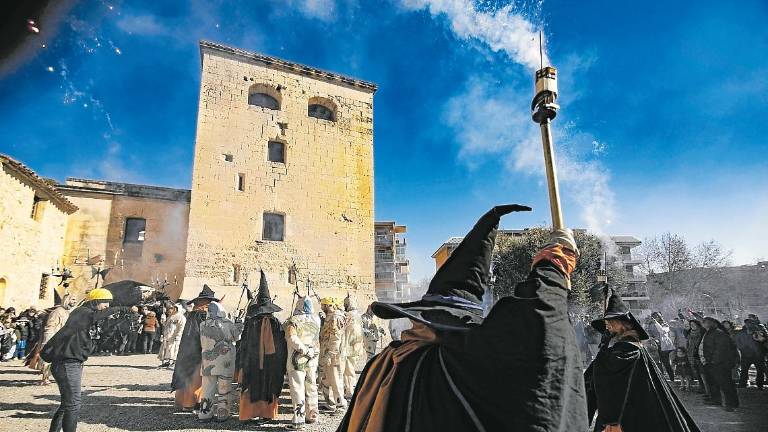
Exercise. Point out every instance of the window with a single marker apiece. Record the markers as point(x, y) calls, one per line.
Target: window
point(320, 111)
point(322, 108)
point(276, 151)
point(263, 100)
point(135, 229)
point(241, 182)
point(274, 227)
point(265, 96)
point(37, 208)
point(226, 157)
point(43, 287)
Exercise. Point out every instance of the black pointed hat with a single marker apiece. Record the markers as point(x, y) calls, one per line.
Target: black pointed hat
point(263, 304)
point(455, 295)
point(206, 294)
point(616, 309)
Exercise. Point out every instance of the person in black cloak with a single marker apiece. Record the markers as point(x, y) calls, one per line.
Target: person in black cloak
point(624, 385)
point(187, 379)
point(518, 369)
point(262, 355)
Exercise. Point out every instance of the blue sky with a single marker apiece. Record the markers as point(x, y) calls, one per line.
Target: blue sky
point(661, 128)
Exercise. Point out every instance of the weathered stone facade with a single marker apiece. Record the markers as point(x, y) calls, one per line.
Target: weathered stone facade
point(323, 188)
point(96, 233)
point(33, 216)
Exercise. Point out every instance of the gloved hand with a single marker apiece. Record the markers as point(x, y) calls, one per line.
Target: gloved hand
point(564, 237)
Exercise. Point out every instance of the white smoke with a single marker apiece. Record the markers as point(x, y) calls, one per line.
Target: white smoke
point(492, 118)
point(504, 29)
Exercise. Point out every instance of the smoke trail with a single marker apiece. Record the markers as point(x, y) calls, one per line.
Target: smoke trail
point(492, 119)
point(504, 29)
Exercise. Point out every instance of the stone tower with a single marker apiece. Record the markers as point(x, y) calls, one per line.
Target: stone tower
point(283, 176)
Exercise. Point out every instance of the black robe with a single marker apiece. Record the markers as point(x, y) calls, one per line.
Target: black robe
point(520, 370)
point(650, 404)
point(190, 354)
point(262, 384)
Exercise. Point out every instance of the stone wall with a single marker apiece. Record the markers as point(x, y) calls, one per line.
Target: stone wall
point(31, 246)
point(324, 188)
point(97, 231)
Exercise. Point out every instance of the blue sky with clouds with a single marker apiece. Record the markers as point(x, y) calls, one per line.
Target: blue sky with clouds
point(661, 129)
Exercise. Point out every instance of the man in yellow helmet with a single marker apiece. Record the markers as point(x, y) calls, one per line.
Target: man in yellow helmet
point(69, 348)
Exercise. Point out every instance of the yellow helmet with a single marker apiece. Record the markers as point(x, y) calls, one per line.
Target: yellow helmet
point(99, 294)
point(327, 301)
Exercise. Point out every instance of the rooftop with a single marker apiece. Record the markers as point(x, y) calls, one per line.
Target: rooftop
point(287, 66)
point(452, 241)
point(75, 185)
point(44, 186)
point(626, 239)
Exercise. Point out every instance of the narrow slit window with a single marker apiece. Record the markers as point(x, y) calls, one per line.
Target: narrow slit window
point(241, 182)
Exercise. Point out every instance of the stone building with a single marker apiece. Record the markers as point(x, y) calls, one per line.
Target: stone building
point(33, 216)
point(392, 265)
point(283, 176)
point(138, 232)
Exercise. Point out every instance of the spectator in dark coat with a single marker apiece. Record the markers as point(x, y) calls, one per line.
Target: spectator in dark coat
point(752, 352)
point(695, 333)
point(719, 355)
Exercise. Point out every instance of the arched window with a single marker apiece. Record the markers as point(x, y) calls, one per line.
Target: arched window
point(322, 108)
point(264, 96)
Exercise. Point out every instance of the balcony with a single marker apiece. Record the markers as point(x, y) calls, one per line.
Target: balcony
point(383, 240)
point(385, 276)
point(635, 278)
point(627, 259)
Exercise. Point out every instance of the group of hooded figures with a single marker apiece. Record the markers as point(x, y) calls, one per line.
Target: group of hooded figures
point(319, 354)
point(518, 368)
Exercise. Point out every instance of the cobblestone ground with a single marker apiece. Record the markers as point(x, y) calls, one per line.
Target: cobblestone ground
point(119, 394)
point(131, 394)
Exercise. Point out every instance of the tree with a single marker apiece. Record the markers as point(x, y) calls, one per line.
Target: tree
point(514, 254)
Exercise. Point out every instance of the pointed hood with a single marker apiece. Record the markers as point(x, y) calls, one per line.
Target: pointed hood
point(615, 308)
point(263, 302)
point(303, 306)
point(455, 295)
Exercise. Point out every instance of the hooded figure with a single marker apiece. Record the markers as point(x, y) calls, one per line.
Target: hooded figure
point(331, 354)
point(262, 356)
point(623, 383)
point(172, 330)
point(217, 341)
point(518, 369)
point(187, 380)
point(352, 349)
point(302, 331)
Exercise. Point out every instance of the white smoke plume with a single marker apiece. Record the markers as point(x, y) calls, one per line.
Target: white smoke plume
point(492, 118)
point(504, 29)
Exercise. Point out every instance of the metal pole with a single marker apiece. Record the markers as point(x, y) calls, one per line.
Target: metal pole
point(549, 164)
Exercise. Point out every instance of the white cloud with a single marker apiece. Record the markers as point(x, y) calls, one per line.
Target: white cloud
point(492, 122)
point(144, 25)
point(324, 10)
point(503, 29)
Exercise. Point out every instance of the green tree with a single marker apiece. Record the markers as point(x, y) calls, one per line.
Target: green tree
point(514, 254)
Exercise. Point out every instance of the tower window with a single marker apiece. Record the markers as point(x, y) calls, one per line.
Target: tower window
point(265, 96)
point(276, 151)
point(320, 111)
point(274, 227)
point(135, 229)
point(241, 182)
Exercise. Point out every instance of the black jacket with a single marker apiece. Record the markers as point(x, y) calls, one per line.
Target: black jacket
point(719, 349)
point(73, 341)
